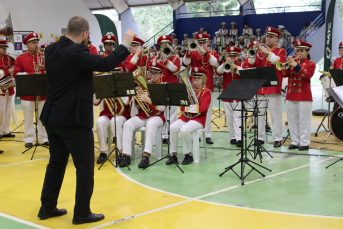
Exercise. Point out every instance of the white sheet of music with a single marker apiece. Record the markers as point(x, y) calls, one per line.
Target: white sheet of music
point(339, 92)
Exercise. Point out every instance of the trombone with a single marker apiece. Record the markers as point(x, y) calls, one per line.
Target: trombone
point(280, 66)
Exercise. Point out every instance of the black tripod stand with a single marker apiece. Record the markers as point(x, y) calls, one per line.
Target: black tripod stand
point(171, 94)
point(242, 90)
point(110, 87)
point(32, 85)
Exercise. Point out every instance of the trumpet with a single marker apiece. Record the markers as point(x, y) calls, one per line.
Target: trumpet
point(280, 66)
point(193, 45)
point(227, 67)
point(166, 51)
point(252, 53)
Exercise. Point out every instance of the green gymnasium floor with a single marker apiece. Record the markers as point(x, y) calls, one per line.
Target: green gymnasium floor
point(298, 193)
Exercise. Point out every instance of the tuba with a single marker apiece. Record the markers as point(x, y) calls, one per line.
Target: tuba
point(183, 74)
point(140, 80)
point(166, 51)
point(193, 45)
point(6, 28)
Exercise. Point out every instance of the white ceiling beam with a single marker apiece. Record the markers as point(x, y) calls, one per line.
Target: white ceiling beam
point(175, 4)
point(120, 5)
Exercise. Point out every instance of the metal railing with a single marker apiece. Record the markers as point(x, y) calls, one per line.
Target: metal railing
point(284, 9)
point(165, 31)
point(307, 33)
point(209, 14)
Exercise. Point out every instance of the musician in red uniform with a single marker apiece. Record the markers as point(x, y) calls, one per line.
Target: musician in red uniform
point(109, 40)
point(152, 121)
point(266, 58)
point(92, 49)
point(31, 62)
point(203, 58)
point(233, 117)
point(172, 65)
point(106, 120)
point(192, 119)
point(338, 63)
point(136, 58)
point(299, 97)
point(6, 95)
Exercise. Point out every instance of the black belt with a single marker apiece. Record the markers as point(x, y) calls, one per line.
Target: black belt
point(295, 90)
point(295, 84)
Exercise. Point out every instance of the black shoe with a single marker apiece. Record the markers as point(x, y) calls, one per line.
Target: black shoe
point(165, 141)
point(268, 128)
point(8, 135)
point(302, 148)
point(293, 147)
point(45, 144)
point(89, 219)
point(286, 123)
point(0, 136)
point(260, 142)
point(172, 160)
point(126, 159)
point(239, 143)
point(188, 159)
point(233, 141)
point(1, 151)
point(102, 158)
point(209, 141)
point(46, 214)
point(28, 145)
point(144, 162)
point(277, 144)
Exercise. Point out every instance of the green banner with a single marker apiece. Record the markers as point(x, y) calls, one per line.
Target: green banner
point(328, 35)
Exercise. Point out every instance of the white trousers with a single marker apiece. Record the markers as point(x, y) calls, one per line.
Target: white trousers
point(233, 119)
point(208, 119)
point(102, 124)
point(29, 130)
point(186, 129)
point(299, 121)
point(275, 109)
point(151, 126)
point(173, 116)
point(5, 113)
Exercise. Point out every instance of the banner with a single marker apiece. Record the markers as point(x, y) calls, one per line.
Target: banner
point(328, 35)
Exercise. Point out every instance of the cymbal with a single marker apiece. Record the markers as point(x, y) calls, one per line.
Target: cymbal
point(325, 73)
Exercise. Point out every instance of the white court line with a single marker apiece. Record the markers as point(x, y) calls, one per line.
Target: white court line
point(212, 193)
point(22, 221)
point(24, 162)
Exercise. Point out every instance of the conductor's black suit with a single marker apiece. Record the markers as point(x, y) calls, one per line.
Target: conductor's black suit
point(68, 117)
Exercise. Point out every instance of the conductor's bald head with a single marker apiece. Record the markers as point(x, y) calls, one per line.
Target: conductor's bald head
point(78, 28)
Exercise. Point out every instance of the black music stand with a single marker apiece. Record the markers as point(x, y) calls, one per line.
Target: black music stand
point(338, 99)
point(271, 80)
point(170, 94)
point(32, 85)
point(113, 86)
point(243, 90)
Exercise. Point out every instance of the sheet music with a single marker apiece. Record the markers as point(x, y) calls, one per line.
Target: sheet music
point(339, 92)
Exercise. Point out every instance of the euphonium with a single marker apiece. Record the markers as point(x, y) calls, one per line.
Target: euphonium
point(193, 45)
point(110, 102)
point(7, 82)
point(183, 74)
point(166, 51)
point(280, 66)
point(140, 80)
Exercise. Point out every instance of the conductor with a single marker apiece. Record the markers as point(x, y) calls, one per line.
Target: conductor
point(68, 116)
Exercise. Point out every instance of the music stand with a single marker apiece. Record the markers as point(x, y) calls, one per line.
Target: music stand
point(113, 86)
point(32, 85)
point(170, 94)
point(243, 90)
point(271, 80)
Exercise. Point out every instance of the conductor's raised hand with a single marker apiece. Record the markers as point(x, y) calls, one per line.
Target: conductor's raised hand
point(128, 36)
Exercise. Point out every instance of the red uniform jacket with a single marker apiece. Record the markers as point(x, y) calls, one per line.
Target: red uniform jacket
point(92, 49)
point(6, 62)
point(27, 62)
point(122, 64)
point(172, 65)
point(207, 62)
point(267, 62)
point(299, 81)
point(338, 64)
point(132, 65)
point(197, 112)
point(228, 77)
point(118, 108)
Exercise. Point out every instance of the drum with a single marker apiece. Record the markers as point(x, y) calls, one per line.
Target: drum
point(336, 123)
point(326, 84)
